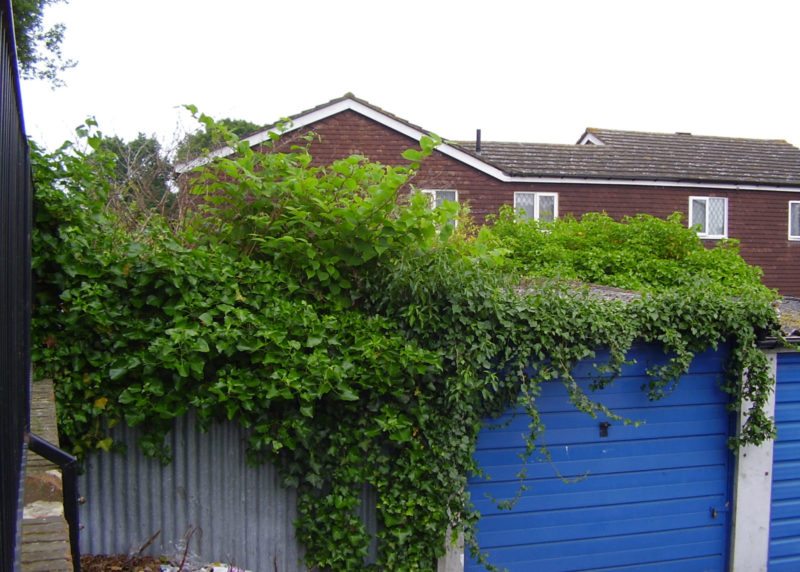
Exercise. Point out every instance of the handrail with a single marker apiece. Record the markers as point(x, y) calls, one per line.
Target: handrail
point(69, 475)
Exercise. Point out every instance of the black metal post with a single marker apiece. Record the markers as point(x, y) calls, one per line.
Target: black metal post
point(15, 295)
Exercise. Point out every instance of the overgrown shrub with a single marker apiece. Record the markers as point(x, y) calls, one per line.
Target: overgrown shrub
point(640, 252)
point(341, 322)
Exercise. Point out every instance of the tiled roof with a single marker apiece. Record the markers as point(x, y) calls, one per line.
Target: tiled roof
point(623, 155)
point(789, 313)
point(651, 156)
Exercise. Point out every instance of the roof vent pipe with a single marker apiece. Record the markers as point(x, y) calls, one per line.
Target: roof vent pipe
point(478, 141)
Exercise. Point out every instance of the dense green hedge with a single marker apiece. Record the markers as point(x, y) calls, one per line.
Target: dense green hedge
point(350, 330)
point(641, 252)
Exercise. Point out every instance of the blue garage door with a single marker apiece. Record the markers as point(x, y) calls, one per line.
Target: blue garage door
point(653, 497)
point(784, 537)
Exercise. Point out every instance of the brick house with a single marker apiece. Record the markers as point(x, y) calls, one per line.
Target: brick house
point(748, 189)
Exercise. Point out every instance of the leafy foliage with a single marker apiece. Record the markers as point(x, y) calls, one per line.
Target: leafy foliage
point(195, 144)
point(39, 49)
point(358, 338)
point(641, 252)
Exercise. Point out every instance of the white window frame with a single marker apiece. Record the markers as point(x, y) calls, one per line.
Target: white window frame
point(536, 197)
point(703, 234)
point(795, 204)
point(432, 194)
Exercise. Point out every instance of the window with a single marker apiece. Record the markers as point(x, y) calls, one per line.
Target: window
point(794, 220)
point(709, 215)
point(438, 196)
point(538, 206)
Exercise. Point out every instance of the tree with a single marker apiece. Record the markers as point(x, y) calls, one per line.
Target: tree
point(39, 48)
point(195, 144)
point(141, 177)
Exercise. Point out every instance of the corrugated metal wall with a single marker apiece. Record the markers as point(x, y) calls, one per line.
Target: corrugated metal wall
point(244, 515)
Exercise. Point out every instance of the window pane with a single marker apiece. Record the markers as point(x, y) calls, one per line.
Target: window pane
point(794, 216)
point(442, 196)
point(699, 214)
point(547, 208)
point(525, 201)
point(716, 217)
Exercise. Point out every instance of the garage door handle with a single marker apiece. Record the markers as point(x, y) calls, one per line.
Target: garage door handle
point(713, 512)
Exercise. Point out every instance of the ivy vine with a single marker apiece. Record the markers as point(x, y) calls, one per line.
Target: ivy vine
point(357, 335)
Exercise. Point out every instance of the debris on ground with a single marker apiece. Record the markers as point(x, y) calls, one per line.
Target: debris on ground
point(123, 563)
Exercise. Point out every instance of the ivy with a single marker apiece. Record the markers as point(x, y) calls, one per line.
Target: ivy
point(358, 336)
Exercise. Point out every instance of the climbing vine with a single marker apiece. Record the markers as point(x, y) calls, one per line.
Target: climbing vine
point(359, 336)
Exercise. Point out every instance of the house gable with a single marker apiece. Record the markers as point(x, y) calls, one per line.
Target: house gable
point(351, 103)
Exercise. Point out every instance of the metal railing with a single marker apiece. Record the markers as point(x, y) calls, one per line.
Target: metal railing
point(15, 298)
point(69, 474)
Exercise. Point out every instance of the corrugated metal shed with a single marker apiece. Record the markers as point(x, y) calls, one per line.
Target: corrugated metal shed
point(243, 514)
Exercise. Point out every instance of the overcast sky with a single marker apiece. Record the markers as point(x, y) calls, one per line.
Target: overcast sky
point(520, 70)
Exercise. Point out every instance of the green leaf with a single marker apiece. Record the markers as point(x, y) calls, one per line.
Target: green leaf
point(116, 373)
point(347, 394)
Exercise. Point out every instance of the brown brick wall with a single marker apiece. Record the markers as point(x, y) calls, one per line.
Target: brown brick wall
point(758, 218)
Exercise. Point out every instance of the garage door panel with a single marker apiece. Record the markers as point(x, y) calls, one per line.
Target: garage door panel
point(784, 546)
point(541, 498)
point(786, 505)
point(701, 563)
point(605, 484)
point(784, 563)
point(578, 461)
point(635, 561)
point(785, 528)
point(790, 392)
point(644, 496)
point(789, 431)
point(629, 393)
point(787, 454)
point(647, 356)
point(788, 413)
point(605, 520)
point(563, 428)
point(593, 553)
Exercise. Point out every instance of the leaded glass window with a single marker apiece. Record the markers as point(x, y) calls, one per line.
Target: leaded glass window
point(709, 215)
point(537, 206)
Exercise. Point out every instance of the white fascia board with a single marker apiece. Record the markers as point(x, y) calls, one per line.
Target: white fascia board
point(589, 139)
point(459, 155)
point(649, 183)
